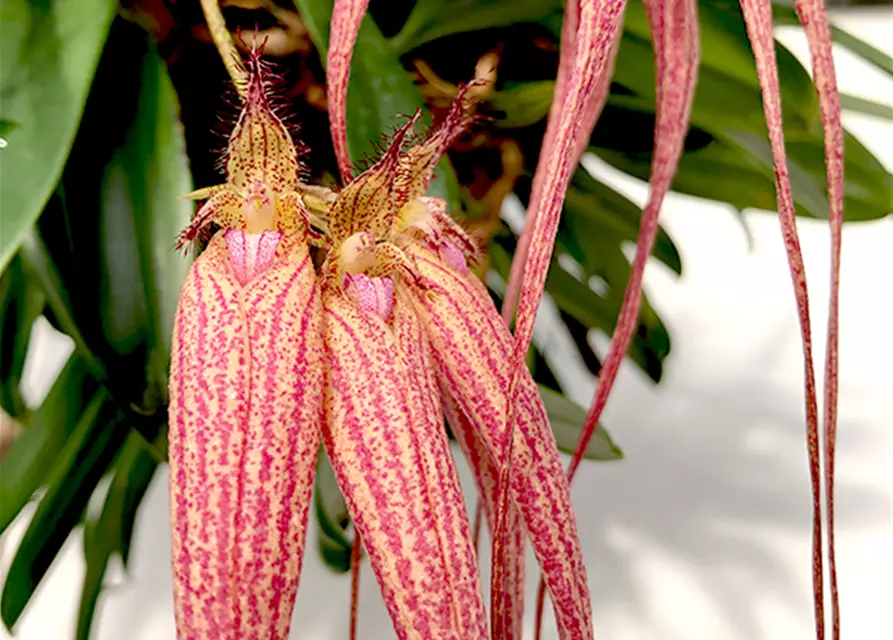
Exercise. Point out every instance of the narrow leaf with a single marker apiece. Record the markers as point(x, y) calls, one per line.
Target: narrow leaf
point(40, 445)
point(86, 457)
point(111, 533)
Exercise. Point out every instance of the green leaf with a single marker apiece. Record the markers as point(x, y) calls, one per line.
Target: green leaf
point(567, 418)
point(111, 533)
point(87, 455)
point(153, 165)
point(49, 53)
point(331, 512)
point(380, 94)
point(38, 447)
point(22, 302)
point(523, 104)
point(867, 107)
point(39, 261)
point(433, 19)
point(593, 209)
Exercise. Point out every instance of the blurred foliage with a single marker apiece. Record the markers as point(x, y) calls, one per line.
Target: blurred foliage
point(109, 118)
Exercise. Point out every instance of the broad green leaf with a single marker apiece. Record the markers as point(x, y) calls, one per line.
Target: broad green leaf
point(380, 94)
point(49, 53)
point(35, 452)
point(155, 170)
point(433, 19)
point(567, 418)
point(87, 455)
point(111, 533)
point(331, 512)
point(22, 302)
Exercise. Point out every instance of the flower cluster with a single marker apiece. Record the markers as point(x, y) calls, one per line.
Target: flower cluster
point(367, 353)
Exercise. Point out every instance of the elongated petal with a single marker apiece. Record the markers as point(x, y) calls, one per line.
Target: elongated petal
point(347, 15)
point(245, 399)
point(384, 435)
point(674, 27)
point(758, 18)
point(471, 346)
point(591, 110)
point(818, 33)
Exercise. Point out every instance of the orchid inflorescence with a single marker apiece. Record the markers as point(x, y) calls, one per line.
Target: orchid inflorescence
point(352, 319)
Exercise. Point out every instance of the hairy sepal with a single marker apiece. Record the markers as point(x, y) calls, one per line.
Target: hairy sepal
point(758, 19)
point(384, 434)
point(245, 401)
point(347, 16)
point(814, 19)
point(471, 346)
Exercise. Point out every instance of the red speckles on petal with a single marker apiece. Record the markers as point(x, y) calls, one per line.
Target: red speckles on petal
point(245, 400)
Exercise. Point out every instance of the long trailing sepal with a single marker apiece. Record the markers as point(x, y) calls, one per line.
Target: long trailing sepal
point(383, 432)
point(815, 23)
point(758, 19)
point(674, 28)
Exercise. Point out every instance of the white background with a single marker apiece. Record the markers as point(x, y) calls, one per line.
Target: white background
point(703, 532)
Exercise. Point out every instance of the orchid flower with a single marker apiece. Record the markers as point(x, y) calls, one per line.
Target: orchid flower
point(245, 392)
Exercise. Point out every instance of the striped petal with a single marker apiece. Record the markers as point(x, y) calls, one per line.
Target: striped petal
point(384, 435)
point(245, 399)
point(347, 16)
point(758, 18)
point(471, 346)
